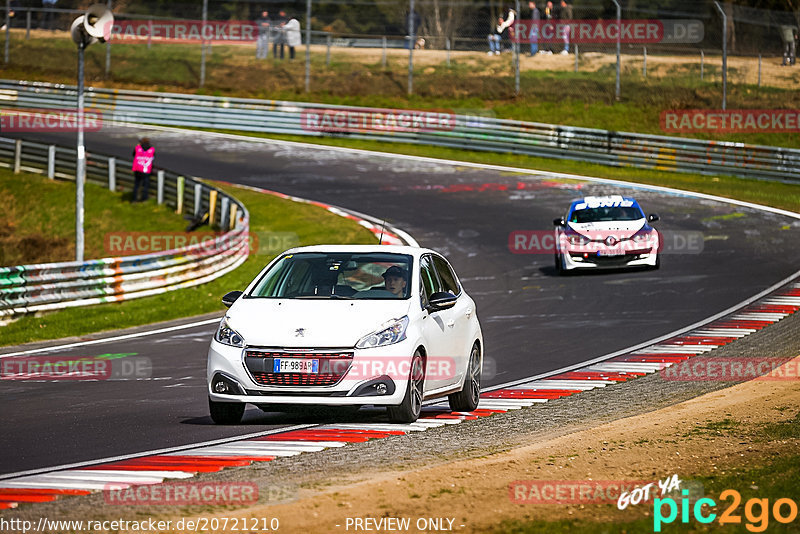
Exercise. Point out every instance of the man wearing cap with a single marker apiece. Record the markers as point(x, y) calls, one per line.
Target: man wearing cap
point(395, 281)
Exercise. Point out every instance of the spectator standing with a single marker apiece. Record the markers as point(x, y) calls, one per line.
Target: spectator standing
point(533, 35)
point(293, 36)
point(565, 15)
point(501, 31)
point(48, 16)
point(13, 6)
point(144, 154)
point(262, 43)
point(547, 17)
point(789, 37)
point(279, 33)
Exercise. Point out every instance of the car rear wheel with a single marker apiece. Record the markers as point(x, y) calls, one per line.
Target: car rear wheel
point(226, 413)
point(467, 399)
point(409, 410)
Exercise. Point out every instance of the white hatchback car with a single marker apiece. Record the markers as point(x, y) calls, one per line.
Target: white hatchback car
point(341, 325)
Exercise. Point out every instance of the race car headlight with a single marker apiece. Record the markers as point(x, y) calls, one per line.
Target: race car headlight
point(392, 333)
point(645, 237)
point(227, 335)
point(577, 239)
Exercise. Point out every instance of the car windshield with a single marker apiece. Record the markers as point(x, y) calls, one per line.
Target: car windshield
point(337, 275)
point(604, 214)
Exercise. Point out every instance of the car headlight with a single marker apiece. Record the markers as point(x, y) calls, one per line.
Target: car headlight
point(390, 334)
point(645, 236)
point(227, 335)
point(577, 239)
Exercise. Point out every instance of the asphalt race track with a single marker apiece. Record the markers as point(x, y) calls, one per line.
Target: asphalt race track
point(533, 320)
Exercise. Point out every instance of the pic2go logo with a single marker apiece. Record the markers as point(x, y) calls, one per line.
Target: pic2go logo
point(756, 511)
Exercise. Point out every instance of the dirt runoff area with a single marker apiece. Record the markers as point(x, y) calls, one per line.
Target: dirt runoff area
point(708, 435)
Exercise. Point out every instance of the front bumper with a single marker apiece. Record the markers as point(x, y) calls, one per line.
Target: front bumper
point(589, 260)
point(383, 369)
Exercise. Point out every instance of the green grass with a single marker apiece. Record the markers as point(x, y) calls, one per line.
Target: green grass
point(476, 83)
point(269, 215)
point(775, 194)
point(774, 479)
point(37, 223)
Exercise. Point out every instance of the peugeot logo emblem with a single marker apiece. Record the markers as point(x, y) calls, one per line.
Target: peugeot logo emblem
point(611, 241)
point(300, 332)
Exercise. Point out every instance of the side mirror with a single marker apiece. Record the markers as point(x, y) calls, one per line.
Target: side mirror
point(231, 297)
point(442, 300)
point(652, 217)
point(559, 221)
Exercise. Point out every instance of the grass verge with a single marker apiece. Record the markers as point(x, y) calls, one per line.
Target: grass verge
point(269, 215)
point(37, 224)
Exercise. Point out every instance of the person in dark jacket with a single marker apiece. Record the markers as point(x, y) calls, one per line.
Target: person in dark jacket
point(565, 15)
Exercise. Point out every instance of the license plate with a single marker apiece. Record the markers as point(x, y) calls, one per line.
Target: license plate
point(609, 254)
point(295, 365)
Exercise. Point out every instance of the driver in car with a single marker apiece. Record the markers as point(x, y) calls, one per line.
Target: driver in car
point(395, 281)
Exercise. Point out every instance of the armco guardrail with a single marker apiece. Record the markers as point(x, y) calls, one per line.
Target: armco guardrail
point(466, 132)
point(50, 286)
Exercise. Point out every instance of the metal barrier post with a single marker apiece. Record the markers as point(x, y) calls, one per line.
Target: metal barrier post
point(702, 64)
point(179, 186)
point(328, 51)
point(51, 162)
point(447, 46)
point(198, 198)
point(515, 46)
point(308, 45)
point(224, 223)
point(212, 206)
point(203, 45)
point(17, 155)
point(644, 61)
point(383, 46)
point(112, 174)
point(27, 24)
point(149, 33)
point(411, 41)
point(108, 50)
point(724, 54)
point(160, 187)
point(619, 24)
point(576, 57)
point(759, 70)
point(8, 27)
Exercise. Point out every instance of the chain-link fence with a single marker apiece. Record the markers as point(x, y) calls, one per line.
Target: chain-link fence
point(469, 48)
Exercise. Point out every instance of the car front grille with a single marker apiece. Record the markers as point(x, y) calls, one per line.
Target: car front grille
point(332, 367)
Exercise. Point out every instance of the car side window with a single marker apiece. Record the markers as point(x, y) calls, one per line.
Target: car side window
point(446, 275)
point(429, 281)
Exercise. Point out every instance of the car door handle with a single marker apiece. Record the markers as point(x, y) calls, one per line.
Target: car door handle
point(451, 323)
point(468, 313)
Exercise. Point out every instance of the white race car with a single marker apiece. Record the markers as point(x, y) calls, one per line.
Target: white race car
point(340, 325)
point(605, 232)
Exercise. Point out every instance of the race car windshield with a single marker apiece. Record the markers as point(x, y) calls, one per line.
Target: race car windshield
point(606, 214)
point(340, 275)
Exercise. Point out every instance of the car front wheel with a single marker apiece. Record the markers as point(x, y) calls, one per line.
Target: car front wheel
point(226, 413)
point(409, 410)
point(467, 399)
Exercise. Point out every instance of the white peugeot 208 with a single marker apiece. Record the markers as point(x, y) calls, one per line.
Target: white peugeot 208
point(339, 325)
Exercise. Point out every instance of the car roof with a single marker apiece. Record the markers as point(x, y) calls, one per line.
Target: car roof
point(389, 249)
point(607, 200)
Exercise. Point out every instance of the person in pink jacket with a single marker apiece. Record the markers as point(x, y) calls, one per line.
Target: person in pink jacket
point(143, 156)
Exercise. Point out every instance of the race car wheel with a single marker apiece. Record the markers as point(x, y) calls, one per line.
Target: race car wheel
point(658, 262)
point(409, 410)
point(467, 399)
point(226, 413)
point(559, 265)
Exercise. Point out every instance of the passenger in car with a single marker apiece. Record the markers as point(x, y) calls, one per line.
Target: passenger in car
point(395, 281)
